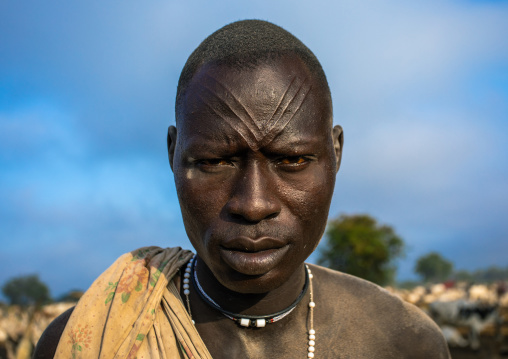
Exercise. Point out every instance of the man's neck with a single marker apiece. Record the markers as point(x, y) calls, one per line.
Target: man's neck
point(250, 303)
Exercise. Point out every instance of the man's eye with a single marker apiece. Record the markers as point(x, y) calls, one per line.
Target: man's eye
point(214, 163)
point(293, 160)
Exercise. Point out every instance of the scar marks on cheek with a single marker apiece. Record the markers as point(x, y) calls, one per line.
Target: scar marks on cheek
point(257, 132)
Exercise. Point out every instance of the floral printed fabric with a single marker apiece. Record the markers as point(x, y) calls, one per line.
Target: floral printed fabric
point(134, 310)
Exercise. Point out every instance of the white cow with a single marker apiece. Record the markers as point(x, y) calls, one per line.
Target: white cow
point(453, 336)
point(473, 315)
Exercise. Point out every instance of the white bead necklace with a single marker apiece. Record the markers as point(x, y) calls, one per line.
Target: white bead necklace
point(311, 333)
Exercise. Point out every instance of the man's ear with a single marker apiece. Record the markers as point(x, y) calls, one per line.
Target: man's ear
point(171, 144)
point(338, 143)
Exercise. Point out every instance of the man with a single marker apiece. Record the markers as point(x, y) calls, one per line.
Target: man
point(255, 155)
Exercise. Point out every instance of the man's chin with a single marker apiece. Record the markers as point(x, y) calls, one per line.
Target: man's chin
point(243, 284)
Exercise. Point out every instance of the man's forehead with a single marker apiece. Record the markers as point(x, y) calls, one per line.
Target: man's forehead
point(257, 102)
point(274, 74)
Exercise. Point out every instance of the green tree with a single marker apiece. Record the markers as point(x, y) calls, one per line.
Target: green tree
point(485, 275)
point(433, 267)
point(26, 290)
point(463, 275)
point(491, 274)
point(358, 245)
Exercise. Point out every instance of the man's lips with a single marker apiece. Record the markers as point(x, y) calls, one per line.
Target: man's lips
point(253, 256)
point(246, 244)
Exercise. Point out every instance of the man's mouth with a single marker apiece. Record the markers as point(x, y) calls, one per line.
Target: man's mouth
point(253, 256)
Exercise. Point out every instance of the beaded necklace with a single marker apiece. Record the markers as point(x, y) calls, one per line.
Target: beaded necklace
point(190, 275)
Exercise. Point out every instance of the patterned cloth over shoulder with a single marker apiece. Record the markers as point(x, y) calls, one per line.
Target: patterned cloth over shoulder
point(134, 310)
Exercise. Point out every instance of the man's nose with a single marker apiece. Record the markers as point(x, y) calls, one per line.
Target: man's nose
point(254, 196)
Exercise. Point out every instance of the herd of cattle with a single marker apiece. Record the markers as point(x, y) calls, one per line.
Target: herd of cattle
point(465, 313)
point(20, 329)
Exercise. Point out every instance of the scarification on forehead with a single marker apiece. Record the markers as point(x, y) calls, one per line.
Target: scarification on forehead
point(257, 132)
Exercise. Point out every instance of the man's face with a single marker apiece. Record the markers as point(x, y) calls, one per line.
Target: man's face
point(255, 160)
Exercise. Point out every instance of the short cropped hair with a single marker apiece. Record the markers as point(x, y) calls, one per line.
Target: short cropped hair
point(246, 44)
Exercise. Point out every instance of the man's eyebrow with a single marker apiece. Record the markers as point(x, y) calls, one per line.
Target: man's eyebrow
point(296, 145)
point(209, 145)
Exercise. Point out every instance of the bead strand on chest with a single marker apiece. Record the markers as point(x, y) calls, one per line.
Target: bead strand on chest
point(312, 333)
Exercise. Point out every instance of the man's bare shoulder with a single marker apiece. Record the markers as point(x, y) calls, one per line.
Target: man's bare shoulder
point(46, 347)
point(365, 315)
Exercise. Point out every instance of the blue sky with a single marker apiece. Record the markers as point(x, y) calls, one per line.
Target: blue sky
point(87, 92)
